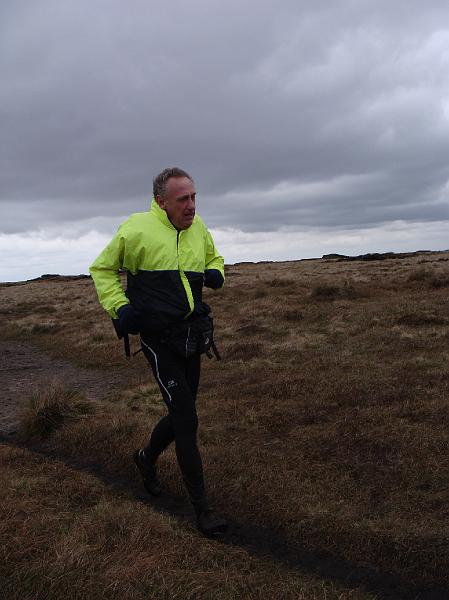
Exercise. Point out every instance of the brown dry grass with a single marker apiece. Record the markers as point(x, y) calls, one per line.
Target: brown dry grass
point(81, 539)
point(48, 408)
point(326, 424)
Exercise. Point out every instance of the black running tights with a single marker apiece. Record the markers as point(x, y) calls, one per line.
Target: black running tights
point(178, 380)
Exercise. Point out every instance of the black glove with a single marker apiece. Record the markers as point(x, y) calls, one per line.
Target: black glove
point(213, 279)
point(129, 319)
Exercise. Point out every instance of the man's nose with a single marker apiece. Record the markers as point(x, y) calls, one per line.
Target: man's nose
point(191, 202)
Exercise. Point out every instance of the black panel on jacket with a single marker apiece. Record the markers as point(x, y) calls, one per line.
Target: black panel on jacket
point(196, 285)
point(161, 297)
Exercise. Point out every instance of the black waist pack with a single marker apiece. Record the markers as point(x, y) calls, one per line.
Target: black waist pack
point(193, 336)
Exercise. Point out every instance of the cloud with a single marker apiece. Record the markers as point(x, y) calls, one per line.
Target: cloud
point(69, 252)
point(25, 256)
point(324, 115)
point(291, 243)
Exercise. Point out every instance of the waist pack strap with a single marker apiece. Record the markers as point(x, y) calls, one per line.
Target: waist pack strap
point(126, 344)
point(121, 335)
point(214, 348)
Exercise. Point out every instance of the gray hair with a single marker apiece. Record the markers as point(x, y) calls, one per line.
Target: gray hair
point(160, 181)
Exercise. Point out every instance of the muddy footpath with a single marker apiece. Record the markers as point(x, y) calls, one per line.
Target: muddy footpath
point(24, 368)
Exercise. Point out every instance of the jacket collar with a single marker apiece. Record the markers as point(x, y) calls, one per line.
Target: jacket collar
point(161, 214)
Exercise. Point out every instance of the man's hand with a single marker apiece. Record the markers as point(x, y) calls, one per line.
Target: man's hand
point(213, 279)
point(129, 319)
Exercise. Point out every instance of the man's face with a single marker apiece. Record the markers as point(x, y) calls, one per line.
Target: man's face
point(179, 201)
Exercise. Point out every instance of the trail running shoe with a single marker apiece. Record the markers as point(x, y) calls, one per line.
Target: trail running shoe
point(148, 472)
point(210, 525)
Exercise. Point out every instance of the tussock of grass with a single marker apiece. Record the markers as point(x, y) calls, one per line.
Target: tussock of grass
point(292, 314)
point(439, 281)
point(49, 408)
point(243, 350)
point(430, 277)
point(420, 274)
point(326, 291)
point(45, 328)
point(251, 329)
point(422, 319)
point(280, 282)
point(260, 292)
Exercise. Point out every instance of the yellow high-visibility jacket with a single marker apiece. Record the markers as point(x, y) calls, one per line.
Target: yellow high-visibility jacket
point(165, 267)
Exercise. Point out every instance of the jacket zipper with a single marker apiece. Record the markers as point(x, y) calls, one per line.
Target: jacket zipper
point(179, 266)
point(187, 341)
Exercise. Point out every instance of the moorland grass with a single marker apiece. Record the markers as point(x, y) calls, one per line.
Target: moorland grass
point(326, 423)
point(65, 534)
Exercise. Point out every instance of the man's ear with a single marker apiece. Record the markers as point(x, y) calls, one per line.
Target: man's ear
point(160, 201)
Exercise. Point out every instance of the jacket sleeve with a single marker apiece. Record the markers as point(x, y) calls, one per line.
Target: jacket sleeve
point(214, 261)
point(105, 274)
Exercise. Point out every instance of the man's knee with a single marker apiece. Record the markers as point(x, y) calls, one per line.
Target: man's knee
point(186, 426)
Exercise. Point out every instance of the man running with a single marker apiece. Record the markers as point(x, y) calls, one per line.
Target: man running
point(168, 255)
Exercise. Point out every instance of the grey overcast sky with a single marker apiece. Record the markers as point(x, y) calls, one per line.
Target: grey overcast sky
point(309, 127)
